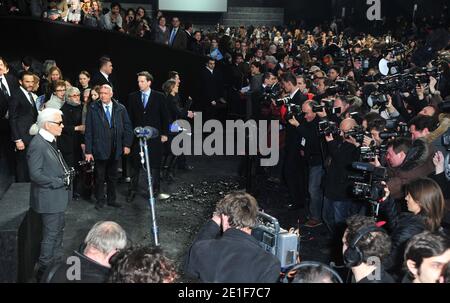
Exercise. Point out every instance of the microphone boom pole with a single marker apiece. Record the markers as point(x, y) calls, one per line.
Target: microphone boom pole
point(144, 153)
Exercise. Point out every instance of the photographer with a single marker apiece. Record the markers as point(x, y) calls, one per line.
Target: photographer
point(294, 164)
point(224, 250)
point(407, 160)
point(343, 151)
point(311, 147)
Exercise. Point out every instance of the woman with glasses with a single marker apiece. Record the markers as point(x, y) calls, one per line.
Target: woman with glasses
point(57, 98)
point(72, 134)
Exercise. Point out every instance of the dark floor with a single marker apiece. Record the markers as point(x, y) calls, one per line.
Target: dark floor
point(194, 195)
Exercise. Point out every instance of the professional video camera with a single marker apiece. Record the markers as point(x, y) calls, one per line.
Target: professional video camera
point(293, 110)
point(423, 74)
point(357, 133)
point(327, 128)
point(327, 106)
point(341, 87)
point(368, 185)
point(271, 93)
point(398, 130)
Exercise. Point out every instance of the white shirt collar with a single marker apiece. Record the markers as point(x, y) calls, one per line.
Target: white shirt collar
point(46, 135)
point(5, 83)
point(105, 75)
point(26, 94)
point(147, 92)
point(211, 70)
point(293, 94)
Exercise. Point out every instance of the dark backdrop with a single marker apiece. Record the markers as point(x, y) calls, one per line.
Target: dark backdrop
point(77, 47)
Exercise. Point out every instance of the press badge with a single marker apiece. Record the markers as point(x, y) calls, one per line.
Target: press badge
point(303, 142)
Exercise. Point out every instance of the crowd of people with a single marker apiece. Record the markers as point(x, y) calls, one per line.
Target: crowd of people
point(364, 138)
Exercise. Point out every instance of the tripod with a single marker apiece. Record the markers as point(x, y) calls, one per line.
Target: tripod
point(145, 160)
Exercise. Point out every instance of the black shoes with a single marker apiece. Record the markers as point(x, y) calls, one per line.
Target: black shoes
point(293, 206)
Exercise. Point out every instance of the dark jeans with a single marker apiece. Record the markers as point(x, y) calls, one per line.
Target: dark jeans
point(52, 238)
point(106, 170)
point(315, 192)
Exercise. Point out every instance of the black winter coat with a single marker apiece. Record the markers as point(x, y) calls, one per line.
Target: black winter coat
point(234, 257)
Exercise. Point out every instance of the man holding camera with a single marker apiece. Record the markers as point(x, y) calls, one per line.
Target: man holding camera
point(294, 166)
point(343, 151)
point(311, 149)
point(224, 251)
point(50, 185)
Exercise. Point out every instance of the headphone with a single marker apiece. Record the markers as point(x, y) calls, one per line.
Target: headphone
point(353, 256)
point(314, 264)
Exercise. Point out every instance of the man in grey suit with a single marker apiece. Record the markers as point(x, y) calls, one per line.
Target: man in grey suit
point(49, 194)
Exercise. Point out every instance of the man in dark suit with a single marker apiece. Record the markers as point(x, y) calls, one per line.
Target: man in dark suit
point(294, 164)
point(177, 37)
point(147, 108)
point(108, 135)
point(8, 84)
point(104, 75)
point(49, 193)
point(190, 40)
point(211, 90)
point(22, 114)
point(225, 251)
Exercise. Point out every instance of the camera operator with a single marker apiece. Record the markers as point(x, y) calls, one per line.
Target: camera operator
point(365, 248)
point(407, 160)
point(311, 147)
point(224, 250)
point(294, 165)
point(343, 151)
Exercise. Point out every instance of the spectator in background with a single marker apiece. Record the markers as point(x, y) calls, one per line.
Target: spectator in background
point(177, 37)
point(103, 241)
point(92, 14)
point(142, 265)
point(83, 81)
point(161, 32)
point(129, 21)
point(426, 255)
point(57, 98)
point(224, 250)
point(46, 88)
point(74, 15)
point(72, 135)
point(197, 45)
point(214, 52)
point(113, 20)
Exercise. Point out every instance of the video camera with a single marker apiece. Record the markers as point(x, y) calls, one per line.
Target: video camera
point(328, 107)
point(327, 128)
point(271, 93)
point(400, 130)
point(357, 133)
point(368, 185)
point(341, 87)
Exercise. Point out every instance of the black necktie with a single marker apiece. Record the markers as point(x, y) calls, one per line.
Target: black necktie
point(4, 90)
point(32, 100)
point(54, 145)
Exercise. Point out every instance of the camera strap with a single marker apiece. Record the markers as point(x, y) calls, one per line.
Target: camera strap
point(60, 158)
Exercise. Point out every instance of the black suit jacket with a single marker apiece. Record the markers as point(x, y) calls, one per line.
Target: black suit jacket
point(21, 116)
point(234, 257)
point(4, 101)
point(98, 79)
point(211, 86)
point(180, 40)
point(155, 114)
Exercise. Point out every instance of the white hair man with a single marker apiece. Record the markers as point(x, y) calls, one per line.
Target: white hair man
point(92, 263)
point(50, 184)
